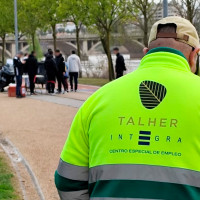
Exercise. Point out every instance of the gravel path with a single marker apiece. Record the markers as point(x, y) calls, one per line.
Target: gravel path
point(38, 127)
point(59, 100)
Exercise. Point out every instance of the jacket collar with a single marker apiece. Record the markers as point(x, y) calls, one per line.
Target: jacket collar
point(165, 57)
point(59, 56)
point(118, 54)
point(166, 49)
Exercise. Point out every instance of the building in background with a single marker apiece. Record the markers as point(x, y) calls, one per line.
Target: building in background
point(172, 11)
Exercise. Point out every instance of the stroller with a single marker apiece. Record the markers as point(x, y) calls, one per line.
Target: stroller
point(7, 76)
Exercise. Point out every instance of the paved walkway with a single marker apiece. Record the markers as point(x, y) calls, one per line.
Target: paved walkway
point(38, 127)
point(68, 99)
point(59, 100)
point(88, 88)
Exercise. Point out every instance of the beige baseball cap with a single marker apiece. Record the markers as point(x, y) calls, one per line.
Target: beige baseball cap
point(185, 31)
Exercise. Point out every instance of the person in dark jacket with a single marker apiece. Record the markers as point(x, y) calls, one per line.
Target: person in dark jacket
point(51, 70)
point(60, 70)
point(32, 66)
point(120, 66)
point(18, 67)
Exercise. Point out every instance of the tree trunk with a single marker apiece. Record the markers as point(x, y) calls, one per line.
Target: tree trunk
point(53, 26)
point(106, 45)
point(189, 11)
point(33, 41)
point(145, 30)
point(78, 47)
point(78, 40)
point(3, 49)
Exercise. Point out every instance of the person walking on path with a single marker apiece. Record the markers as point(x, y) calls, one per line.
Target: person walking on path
point(60, 70)
point(18, 67)
point(51, 69)
point(138, 136)
point(32, 65)
point(120, 66)
point(74, 64)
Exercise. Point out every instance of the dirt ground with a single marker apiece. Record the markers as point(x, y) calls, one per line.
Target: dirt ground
point(39, 130)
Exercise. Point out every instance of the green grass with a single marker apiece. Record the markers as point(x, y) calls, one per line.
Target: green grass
point(93, 81)
point(7, 191)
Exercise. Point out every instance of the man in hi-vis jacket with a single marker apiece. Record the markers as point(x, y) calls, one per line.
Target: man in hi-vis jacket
point(139, 136)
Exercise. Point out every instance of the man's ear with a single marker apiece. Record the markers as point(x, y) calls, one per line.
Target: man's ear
point(145, 50)
point(193, 59)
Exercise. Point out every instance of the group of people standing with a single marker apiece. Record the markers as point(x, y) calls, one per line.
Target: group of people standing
point(57, 69)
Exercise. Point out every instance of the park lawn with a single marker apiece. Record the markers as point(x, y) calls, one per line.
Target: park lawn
point(7, 182)
point(93, 81)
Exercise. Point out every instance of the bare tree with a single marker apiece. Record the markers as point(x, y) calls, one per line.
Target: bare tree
point(143, 12)
point(104, 15)
point(187, 8)
point(196, 21)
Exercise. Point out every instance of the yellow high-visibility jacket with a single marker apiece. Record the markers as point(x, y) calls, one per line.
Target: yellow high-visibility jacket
point(137, 137)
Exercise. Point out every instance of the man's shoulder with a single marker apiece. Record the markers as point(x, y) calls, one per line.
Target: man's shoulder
point(70, 57)
point(30, 59)
point(112, 89)
point(53, 61)
point(75, 56)
point(62, 59)
point(15, 59)
point(194, 81)
point(120, 55)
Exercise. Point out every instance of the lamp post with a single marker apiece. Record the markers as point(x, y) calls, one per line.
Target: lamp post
point(16, 27)
point(165, 8)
